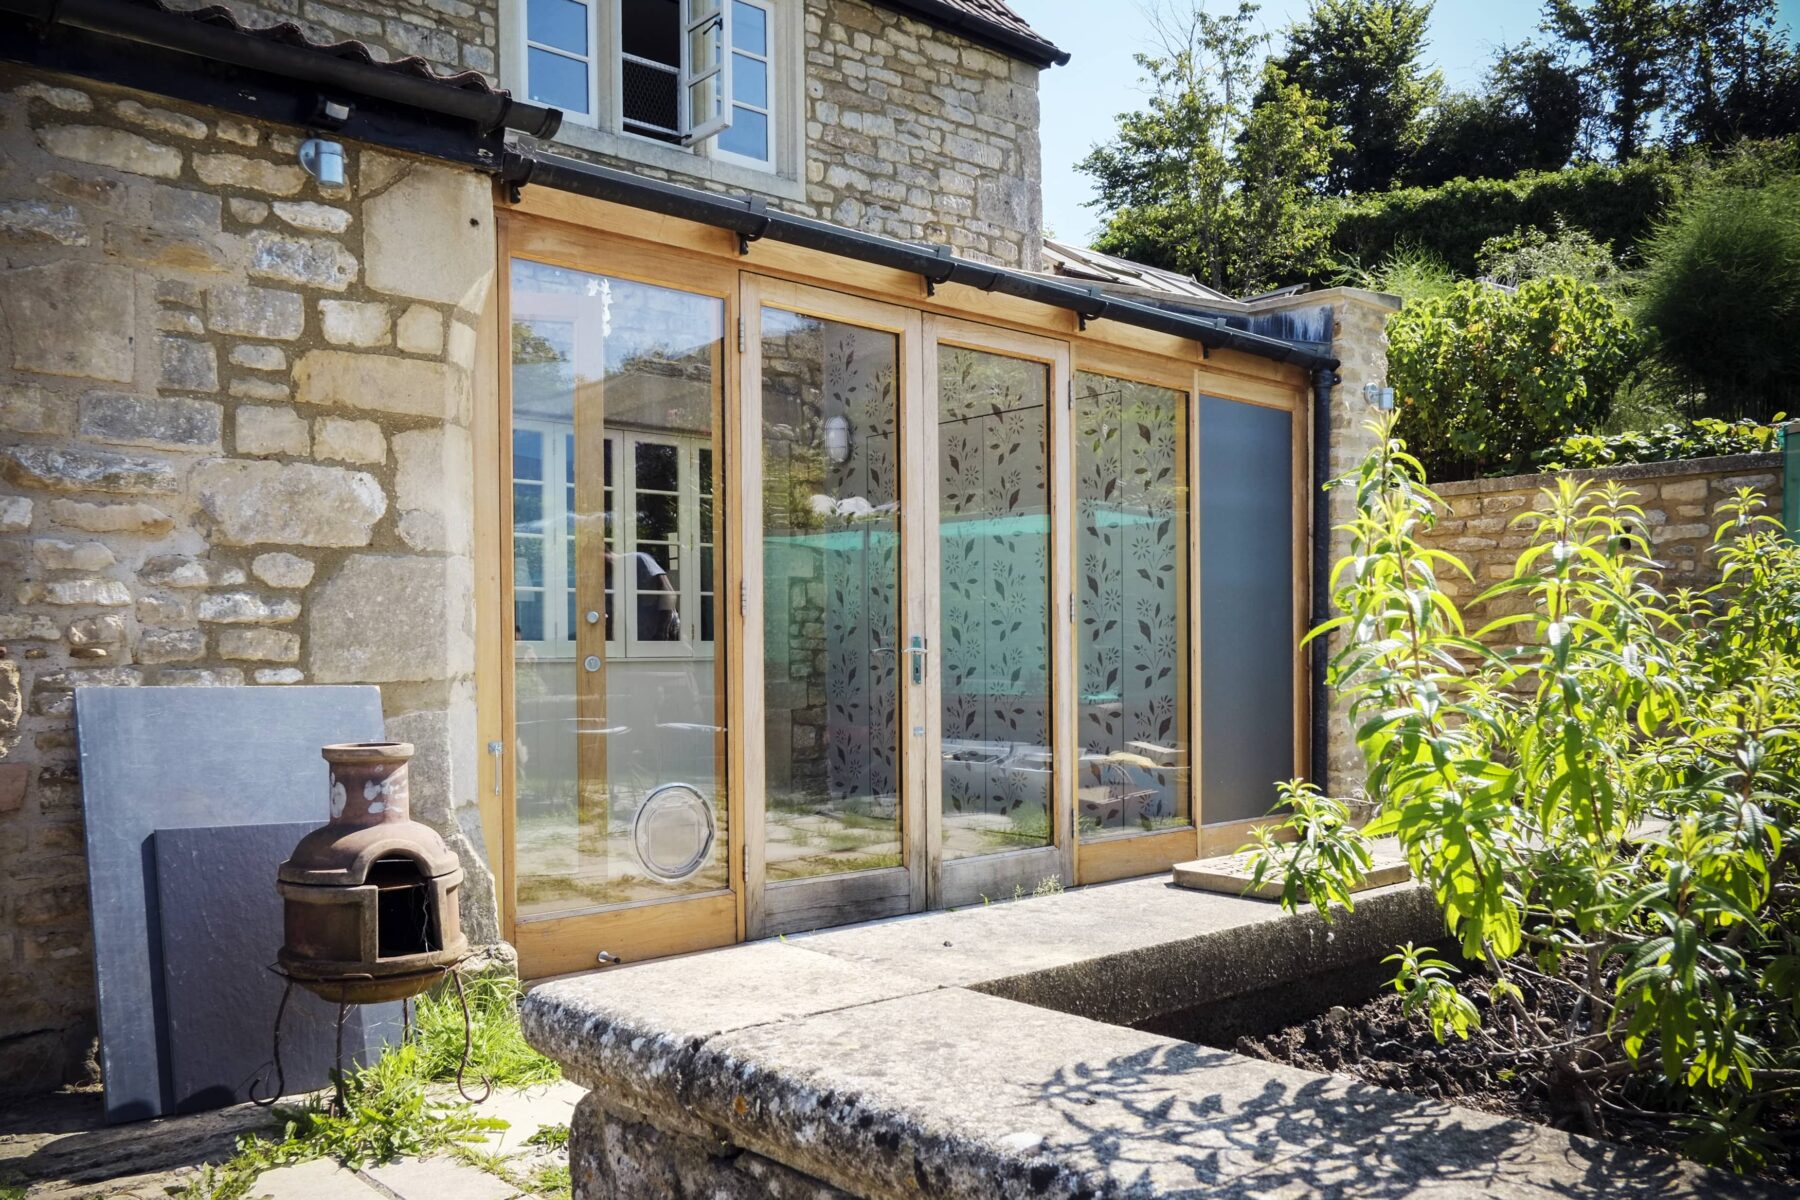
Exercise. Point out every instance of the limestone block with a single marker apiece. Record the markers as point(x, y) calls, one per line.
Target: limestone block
point(411, 387)
point(98, 593)
point(255, 312)
point(12, 708)
point(315, 218)
point(42, 221)
point(235, 170)
point(243, 608)
point(166, 609)
point(27, 408)
point(343, 440)
point(113, 148)
point(430, 236)
point(434, 488)
point(58, 470)
point(71, 318)
point(420, 330)
point(392, 618)
point(189, 365)
point(66, 98)
point(312, 262)
point(280, 675)
point(15, 513)
point(282, 570)
point(28, 627)
point(170, 645)
point(173, 422)
point(259, 645)
point(250, 212)
point(238, 133)
point(186, 571)
point(161, 120)
point(353, 322)
point(253, 501)
point(53, 554)
point(104, 630)
point(202, 677)
point(259, 389)
point(258, 357)
point(270, 431)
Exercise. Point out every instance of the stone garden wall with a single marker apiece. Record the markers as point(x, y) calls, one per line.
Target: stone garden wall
point(234, 449)
point(1680, 502)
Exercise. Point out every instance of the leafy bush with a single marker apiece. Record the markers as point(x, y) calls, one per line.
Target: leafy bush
point(1483, 376)
point(1607, 811)
point(1707, 437)
point(1721, 297)
point(1536, 254)
point(1407, 272)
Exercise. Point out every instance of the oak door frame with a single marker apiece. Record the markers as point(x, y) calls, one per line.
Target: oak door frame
point(557, 944)
point(995, 876)
point(793, 905)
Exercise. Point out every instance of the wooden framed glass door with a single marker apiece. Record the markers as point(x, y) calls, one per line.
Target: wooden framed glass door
point(622, 820)
point(997, 598)
point(836, 649)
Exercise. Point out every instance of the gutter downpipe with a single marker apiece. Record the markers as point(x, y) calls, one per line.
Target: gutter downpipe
point(1323, 381)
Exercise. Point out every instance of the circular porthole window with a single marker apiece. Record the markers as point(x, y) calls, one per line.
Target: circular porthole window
point(674, 832)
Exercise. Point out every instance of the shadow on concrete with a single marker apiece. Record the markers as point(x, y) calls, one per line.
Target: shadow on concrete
point(1148, 1122)
point(64, 1138)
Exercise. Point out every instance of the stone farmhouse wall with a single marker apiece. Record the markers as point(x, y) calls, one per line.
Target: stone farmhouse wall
point(234, 449)
point(911, 131)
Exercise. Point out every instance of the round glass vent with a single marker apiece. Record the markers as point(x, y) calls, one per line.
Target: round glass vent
point(674, 832)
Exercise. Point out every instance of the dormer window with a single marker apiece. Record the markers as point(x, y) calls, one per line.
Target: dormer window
point(691, 73)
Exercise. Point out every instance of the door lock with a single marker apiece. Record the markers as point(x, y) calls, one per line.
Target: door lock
point(917, 651)
point(591, 663)
point(593, 617)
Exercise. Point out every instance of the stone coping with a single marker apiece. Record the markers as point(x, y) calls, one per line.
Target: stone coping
point(1724, 464)
point(899, 1058)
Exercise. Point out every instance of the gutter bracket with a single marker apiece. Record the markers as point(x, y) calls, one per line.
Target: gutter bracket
point(758, 208)
point(944, 256)
point(1083, 316)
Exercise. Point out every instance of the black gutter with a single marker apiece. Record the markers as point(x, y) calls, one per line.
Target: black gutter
point(1324, 380)
point(1036, 51)
point(752, 220)
point(489, 110)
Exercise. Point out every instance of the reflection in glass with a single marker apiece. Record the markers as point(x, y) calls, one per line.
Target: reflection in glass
point(618, 695)
point(831, 599)
point(1131, 588)
point(994, 631)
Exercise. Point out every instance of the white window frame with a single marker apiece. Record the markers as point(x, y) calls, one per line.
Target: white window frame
point(768, 61)
point(592, 59)
point(602, 131)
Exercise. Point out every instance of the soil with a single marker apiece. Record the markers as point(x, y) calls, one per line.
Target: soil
point(1377, 1043)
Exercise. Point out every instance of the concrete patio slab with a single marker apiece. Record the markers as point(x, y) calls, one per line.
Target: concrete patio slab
point(438, 1179)
point(528, 1110)
point(321, 1179)
point(1231, 874)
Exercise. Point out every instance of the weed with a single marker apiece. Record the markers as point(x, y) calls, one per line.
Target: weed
point(497, 1050)
point(554, 1137)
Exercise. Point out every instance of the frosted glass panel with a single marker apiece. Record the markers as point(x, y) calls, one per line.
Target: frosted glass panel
point(993, 639)
point(1132, 609)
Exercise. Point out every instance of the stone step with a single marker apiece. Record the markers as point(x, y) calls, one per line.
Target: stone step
point(1229, 874)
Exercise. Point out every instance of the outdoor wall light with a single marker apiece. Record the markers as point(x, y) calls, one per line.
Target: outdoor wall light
point(324, 161)
point(1376, 396)
point(837, 439)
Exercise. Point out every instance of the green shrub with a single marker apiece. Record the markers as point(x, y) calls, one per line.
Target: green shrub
point(1707, 437)
point(1607, 811)
point(1483, 377)
point(1720, 297)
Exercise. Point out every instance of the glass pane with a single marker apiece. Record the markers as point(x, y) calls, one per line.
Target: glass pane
point(528, 454)
point(994, 635)
point(831, 602)
point(750, 28)
point(528, 507)
point(706, 99)
point(556, 80)
point(528, 562)
point(657, 517)
point(656, 467)
point(1132, 607)
point(750, 81)
point(559, 23)
point(748, 134)
point(620, 790)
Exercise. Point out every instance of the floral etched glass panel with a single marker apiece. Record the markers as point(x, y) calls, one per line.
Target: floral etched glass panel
point(831, 596)
point(620, 744)
point(994, 592)
point(1132, 606)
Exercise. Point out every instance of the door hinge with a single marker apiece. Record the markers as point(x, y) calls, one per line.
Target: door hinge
point(743, 599)
point(1069, 387)
point(743, 337)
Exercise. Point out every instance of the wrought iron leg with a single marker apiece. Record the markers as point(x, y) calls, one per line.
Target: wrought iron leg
point(341, 1100)
point(280, 1078)
point(487, 1084)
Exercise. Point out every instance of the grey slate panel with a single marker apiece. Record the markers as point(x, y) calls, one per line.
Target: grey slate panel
point(160, 757)
point(221, 925)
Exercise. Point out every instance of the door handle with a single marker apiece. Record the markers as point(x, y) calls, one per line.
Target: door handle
point(917, 652)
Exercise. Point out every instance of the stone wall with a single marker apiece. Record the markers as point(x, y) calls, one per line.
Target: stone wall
point(1680, 502)
point(452, 35)
point(234, 449)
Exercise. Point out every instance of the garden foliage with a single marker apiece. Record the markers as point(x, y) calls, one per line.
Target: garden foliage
point(1484, 376)
point(1607, 810)
point(1707, 437)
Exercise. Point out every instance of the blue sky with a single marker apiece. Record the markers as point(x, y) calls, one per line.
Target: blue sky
point(1080, 100)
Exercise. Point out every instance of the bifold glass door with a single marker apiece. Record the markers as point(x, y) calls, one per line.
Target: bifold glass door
point(620, 662)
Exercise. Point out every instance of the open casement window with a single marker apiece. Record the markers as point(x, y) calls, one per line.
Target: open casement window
point(674, 68)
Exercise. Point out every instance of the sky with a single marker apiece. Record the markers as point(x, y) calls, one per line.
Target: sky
point(1080, 100)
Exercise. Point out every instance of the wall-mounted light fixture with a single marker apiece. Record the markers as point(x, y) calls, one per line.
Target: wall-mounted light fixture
point(324, 161)
point(1376, 396)
point(837, 438)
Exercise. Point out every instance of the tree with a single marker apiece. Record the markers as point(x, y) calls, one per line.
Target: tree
point(1737, 76)
point(1527, 118)
point(1201, 181)
point(1628, 47)
point(1485, 376)
point(1524, 254)
point(1720, 297)
point(1362, 58)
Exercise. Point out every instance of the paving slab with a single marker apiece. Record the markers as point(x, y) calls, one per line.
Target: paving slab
point(438, 1179)
point(526, 1110)
point(321, 1179)
point(1231, 874)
